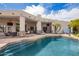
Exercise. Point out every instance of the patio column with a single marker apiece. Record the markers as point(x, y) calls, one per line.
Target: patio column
point(38, 26)
point(6, 28)
point(22, 26)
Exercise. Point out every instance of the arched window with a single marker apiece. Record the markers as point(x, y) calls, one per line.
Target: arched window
point(10, 24)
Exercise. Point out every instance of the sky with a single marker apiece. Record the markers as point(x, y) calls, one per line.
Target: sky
point(58, 11)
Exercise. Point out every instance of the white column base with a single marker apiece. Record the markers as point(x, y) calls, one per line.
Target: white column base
point(39, 31)
point(22, 33)
point(22, 26)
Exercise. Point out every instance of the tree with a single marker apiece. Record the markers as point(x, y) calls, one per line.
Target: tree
point(57, 27)
point(75, 25)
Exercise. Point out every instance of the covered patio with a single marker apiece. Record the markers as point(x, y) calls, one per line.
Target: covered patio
point(21, 25)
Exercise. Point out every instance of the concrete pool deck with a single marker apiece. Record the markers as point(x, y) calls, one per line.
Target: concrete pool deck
point(5, 41)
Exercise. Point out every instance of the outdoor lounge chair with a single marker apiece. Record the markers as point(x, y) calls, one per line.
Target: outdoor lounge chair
point(7, 34)
point(11, 34)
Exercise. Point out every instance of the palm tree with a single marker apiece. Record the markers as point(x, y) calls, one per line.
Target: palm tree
point(57, 27)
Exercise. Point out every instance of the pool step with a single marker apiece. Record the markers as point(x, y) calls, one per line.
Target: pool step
point(13, 48)
point(16, 44)
point(15, 51)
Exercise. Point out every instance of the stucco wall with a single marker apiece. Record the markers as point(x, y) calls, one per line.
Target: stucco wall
point(4, 22)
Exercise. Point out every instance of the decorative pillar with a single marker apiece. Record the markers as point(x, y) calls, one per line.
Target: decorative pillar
point(22, 26)
point(38, 26)
point(6, 28)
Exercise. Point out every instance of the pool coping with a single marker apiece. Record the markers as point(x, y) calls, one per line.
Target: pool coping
point(34, 38)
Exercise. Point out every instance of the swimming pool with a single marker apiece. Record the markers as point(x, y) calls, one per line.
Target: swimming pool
point(49, 46)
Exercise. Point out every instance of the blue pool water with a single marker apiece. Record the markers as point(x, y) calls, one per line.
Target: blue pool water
point(49, 46)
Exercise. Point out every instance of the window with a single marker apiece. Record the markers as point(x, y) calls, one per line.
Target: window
point(10, 24)
point(47, 24)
